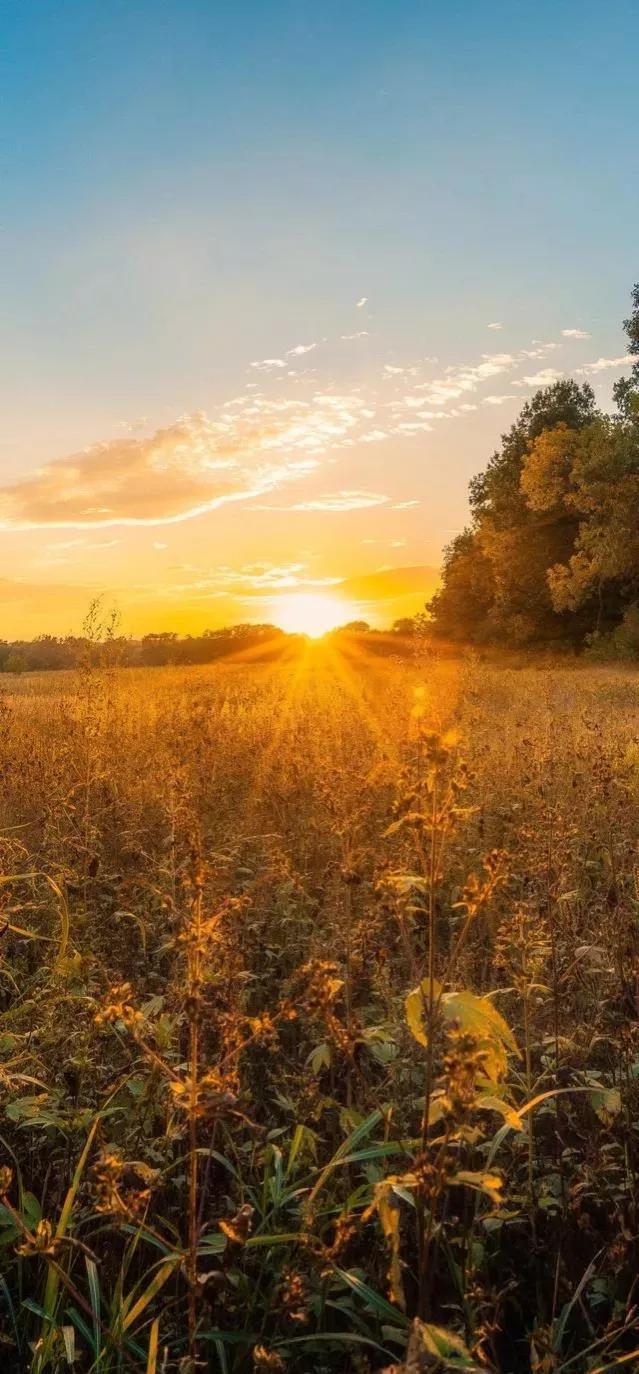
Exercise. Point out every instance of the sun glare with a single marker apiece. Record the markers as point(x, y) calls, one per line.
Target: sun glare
point(311, 613)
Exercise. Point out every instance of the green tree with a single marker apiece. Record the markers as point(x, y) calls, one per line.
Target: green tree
point(495, 583)
point(626, 390)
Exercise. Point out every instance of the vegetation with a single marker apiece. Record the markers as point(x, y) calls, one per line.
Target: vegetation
point(259, 643)
point(552, 553)
point(319, 1016)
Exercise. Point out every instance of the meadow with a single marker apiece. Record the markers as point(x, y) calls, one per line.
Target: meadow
point(319, 1016)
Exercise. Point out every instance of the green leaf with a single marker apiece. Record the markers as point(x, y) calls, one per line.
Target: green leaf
point(437, 1341)
point(606, 1103)
point(320, 1058)
point(477, 1016)
point(371, 1298)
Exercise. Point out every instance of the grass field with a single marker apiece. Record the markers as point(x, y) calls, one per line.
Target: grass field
point(228, 1139)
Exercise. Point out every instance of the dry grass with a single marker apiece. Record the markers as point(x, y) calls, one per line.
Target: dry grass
point(224, 1142)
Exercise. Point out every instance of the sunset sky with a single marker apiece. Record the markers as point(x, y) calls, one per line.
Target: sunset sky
point(275, 278)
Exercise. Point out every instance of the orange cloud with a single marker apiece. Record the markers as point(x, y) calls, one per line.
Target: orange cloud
point(255, 445)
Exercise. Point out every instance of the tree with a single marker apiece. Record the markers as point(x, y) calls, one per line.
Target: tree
point(626, 390)
point(603, 490)
point(495, 583)
point(460, 608)
point(354, 627)
point(16, 663)
point(552, 554)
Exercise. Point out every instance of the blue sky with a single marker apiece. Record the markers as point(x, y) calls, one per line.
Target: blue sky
point(189, 188)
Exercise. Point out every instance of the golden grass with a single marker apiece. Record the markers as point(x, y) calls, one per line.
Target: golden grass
point(218, 887)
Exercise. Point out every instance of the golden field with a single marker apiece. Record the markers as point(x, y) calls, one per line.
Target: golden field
point(320, 1016)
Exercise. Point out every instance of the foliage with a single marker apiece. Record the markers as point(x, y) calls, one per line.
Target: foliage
point(552, 555)
point(318, 1017)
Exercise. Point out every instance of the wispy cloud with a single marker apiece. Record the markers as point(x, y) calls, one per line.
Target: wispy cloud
point(605, 364)
point(335, 502)
point(275, 432)
point(254, 445)
point(359, 334)
point(363, 300)
point(575, 334)
point(546, 377)
point(248, 580)
point(496, 324)
point(460, 379)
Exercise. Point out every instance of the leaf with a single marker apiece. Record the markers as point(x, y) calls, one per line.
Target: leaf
point(477, 1016)
point(68, 1336)
point(373, 1299)
point(606, 1103)
point(428, 1344)
point(417, 1004)
point(490, 1184)
point(320, 1058)
point(346, 1148)
point(152, 1360)
point(94, 1290)
point(487, 1103)
point(157, 1282)
point(53, 1278)
point(389, 1216)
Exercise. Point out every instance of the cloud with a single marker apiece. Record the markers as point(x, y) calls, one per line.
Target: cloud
point(497, 400)
point(359, 334)
point(250, 580)
point(415, 426)
point(575, 334)
point(495, 325)
point(298, 350)
point(405, 505)
point(254, 445)
point(604, 364)
point(546, 377)
point(465, 378)
point(266, 363)
point(361, 302)
point(336, 502)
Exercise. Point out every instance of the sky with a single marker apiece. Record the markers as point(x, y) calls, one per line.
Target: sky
point(275, 277)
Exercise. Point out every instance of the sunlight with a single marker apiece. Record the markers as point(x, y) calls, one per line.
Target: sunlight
point(311, 613)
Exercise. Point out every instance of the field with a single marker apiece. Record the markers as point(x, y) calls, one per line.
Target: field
point(320, 1017)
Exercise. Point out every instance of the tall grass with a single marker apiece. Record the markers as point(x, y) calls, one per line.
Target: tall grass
point(319, 1012)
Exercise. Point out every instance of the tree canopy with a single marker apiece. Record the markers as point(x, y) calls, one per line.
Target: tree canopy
point(551, 554)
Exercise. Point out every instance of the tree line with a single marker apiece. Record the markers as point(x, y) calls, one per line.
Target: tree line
point(47, 653)
point(551, 553)
point(247, 642)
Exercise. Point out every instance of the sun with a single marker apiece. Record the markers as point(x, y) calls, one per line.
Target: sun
point(310, 613)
